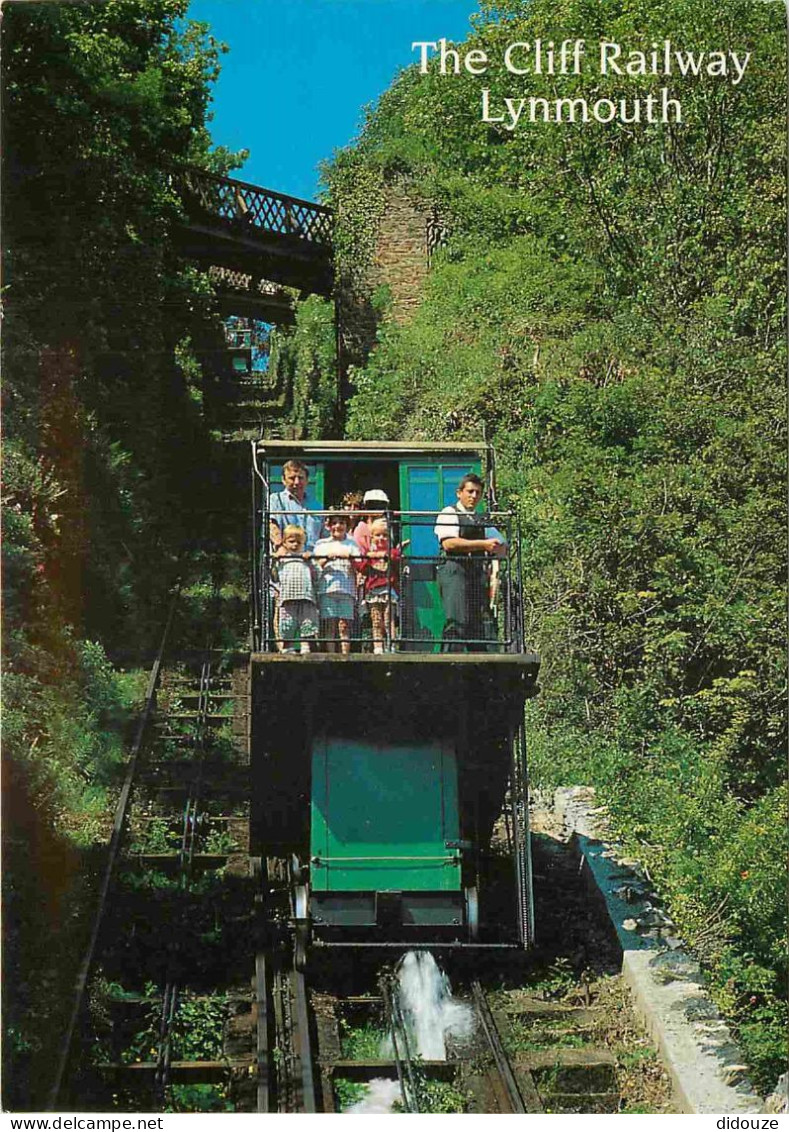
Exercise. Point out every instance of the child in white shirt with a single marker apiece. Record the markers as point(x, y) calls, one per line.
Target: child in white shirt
point(337, 583)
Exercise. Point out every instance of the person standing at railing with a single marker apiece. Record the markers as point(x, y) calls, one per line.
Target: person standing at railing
point(337, 583)
point(289, 507)
point(467, 548)
point(296, 576)
point(379, 568)
point(375, 504)
point(293, 505)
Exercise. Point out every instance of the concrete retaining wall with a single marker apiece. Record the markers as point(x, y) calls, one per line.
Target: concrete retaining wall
point(703, 1061)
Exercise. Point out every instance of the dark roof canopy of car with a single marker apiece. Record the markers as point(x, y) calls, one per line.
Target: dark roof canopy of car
point(365, 449)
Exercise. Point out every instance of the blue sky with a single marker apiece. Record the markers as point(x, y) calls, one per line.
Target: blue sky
point(299, 73)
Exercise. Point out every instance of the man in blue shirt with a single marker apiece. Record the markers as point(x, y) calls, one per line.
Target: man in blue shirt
point(292, 505)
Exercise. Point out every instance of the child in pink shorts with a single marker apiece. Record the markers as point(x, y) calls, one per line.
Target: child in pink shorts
point(379, 568)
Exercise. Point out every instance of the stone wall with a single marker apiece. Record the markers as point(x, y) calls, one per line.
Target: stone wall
point(401, 260)
point(406, 233)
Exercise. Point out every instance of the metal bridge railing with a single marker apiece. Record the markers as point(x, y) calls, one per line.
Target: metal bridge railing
point(243, 205)
point(322, 598)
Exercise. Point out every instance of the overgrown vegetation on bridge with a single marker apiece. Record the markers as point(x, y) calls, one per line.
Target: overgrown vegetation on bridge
point(610, 306)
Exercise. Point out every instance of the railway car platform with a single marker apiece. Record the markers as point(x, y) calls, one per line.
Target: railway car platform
point(388, 769)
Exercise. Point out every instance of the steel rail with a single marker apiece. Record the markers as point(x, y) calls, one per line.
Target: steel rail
point(164, 1053)
point(395, 1051)
point(112, 856)
point(304, 1042)
point(402, 1061)
point(263, 1092)
point(409, 1064)
point(497, 1049)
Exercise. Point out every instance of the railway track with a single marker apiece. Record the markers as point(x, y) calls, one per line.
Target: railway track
point(195, 1002)
point(480, 1072)
point(190, 998)
point(169, 1006)
point(161, 1007)
point(187, 999)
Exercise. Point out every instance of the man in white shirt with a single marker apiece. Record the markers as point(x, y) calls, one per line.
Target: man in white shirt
point(467, 546)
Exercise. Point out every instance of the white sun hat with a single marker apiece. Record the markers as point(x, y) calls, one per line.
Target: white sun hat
point(375, 495)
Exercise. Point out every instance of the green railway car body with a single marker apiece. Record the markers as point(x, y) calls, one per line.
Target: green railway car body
point(382, 778)
point(384, 835)
point(384, 817)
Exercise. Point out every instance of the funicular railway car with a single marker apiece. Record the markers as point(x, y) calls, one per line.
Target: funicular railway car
point(380, 770)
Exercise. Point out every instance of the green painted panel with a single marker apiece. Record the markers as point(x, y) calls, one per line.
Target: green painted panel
point(381, 815)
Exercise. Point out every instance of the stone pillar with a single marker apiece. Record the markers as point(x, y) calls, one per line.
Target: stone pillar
point(408, 232)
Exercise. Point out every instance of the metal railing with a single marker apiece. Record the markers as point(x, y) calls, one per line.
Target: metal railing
point(410, 598)
point(241, 204)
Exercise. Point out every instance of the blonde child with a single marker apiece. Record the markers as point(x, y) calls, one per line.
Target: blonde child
point(379, 569)
point(337, 583)
point(298, 610)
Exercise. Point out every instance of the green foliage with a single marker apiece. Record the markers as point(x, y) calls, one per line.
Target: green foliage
point(220, 841)
point(609, 309)
point(144, 1043)
point(199, 1028)
point(360, 1042)
point(554, 980)
point(357, 187)
point(303, 365)
point(113, 990)
point(105, 454)
point(522, 1039)
point(64, 725)
point(347, 1092)
point(196, 1033)
point(98, 499)
point(438, 1096)
point(151, 881)
point(198, 1098)
point(156, 836)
